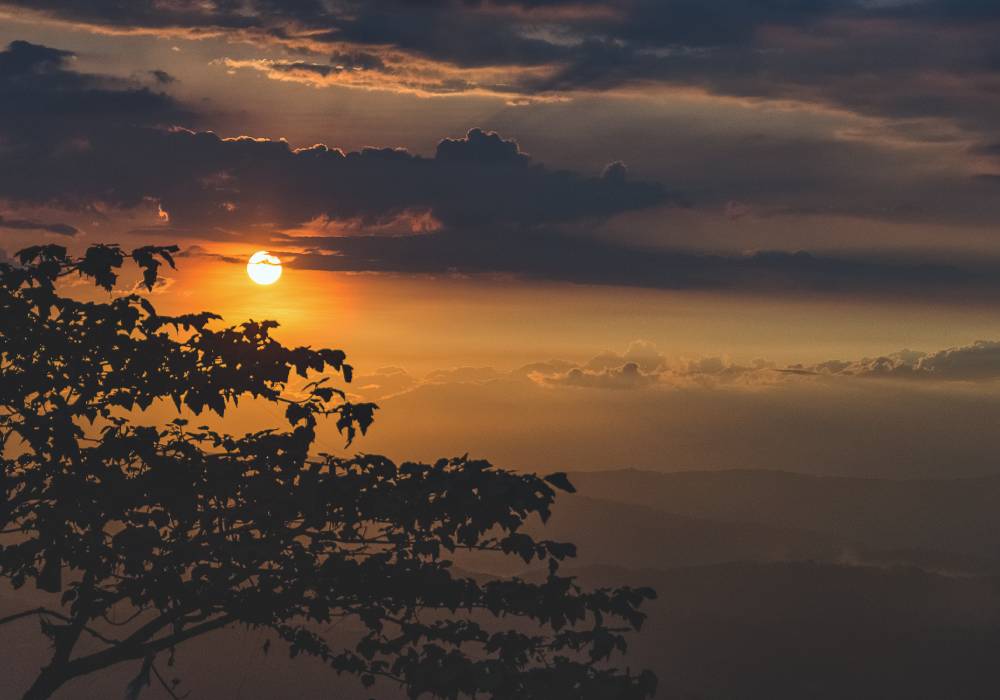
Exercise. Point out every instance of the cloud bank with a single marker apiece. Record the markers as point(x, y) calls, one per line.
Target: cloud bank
point(479, 205)
point(86, 142)
point(32, 225)
point(978, 362)
point(913, 60)
point(643, 367)
point(657, 412)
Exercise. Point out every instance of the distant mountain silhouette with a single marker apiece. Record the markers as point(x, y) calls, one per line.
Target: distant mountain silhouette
point(933, 515)
point(636, 536)
point(656, 538)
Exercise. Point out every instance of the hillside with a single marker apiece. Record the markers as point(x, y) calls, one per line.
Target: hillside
point(943, 515)
point(638, 536)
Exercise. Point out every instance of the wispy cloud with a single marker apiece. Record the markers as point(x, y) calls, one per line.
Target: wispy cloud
point(33, 225)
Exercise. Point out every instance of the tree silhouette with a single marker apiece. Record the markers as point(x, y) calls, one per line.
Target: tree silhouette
point(190, 530)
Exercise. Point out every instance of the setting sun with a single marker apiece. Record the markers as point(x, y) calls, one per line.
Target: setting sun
point(264, 268)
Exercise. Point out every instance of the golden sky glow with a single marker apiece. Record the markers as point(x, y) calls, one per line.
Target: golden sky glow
point(482, 221)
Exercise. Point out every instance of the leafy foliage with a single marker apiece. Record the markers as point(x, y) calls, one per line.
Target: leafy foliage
point(192, 529)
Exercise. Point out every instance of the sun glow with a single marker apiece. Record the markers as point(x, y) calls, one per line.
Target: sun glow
point(264, 268)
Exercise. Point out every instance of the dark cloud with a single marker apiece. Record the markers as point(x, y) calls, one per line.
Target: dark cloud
point(31, 225)
point(550, 255)
point(40, 93)
point(159, 15)
point(209, 183)
point(927, 71)
point(615, 172)
point(481, 147)
point(324, 70)
point(162, 77)
point(886, 68)
point(445, 31)
point(357, 60)
point(479, 204)
point(342, 64)
point(460, 31)
point(452, 31)
point(55, 124)
point(966, 11)
point(721, 22)
point(23, 58)
point(80, 141)
point(542, 32)
point(979, 361)
point(920, 60)
point(986, 149)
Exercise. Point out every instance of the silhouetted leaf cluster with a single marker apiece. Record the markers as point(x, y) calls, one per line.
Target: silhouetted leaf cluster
point(193, 529)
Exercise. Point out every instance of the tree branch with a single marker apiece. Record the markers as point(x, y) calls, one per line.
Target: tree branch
point(18, 616)
point(128, 650)
point(45, 611)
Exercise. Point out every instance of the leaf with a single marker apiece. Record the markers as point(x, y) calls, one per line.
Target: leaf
point(50, 577)
point(561, 481)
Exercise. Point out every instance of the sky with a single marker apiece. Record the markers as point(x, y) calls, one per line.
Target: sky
point(591, 234)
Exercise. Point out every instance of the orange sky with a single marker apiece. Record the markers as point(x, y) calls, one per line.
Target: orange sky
point(582, 253)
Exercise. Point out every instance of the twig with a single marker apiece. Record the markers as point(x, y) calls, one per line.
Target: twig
point(124, 622)
point(166, 686)
point(18, 616)
point(45, 611)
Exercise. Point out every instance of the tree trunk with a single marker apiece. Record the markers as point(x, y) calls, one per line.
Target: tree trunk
point(47, 683)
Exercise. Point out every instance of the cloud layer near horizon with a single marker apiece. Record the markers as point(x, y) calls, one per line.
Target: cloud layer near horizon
point(639, 408)
point(643, 366)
